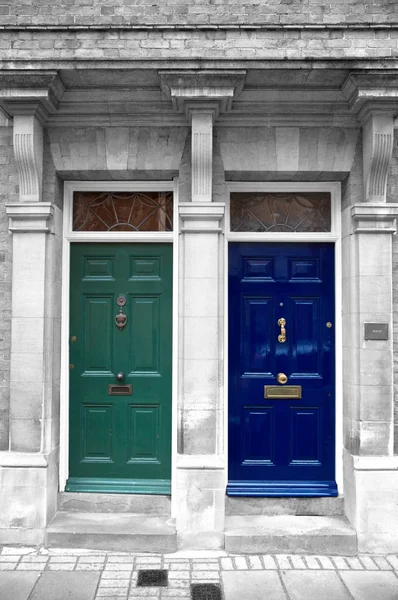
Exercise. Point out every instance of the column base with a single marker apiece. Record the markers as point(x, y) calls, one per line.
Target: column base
point(200, 511)
point(371, 501)
point(28, 496)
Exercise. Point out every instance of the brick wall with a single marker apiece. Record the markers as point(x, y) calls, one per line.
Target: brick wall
point(196, 11)
point(133, 44)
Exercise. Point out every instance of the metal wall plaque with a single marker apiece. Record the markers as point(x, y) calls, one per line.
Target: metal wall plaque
point(120, 390)
point(376, 331)
point(286, 392)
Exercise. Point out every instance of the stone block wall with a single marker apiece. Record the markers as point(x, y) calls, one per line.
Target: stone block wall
point(8, 193)
point(95, 12)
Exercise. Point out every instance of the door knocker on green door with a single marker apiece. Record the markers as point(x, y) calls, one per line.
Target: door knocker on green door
point(121, 318)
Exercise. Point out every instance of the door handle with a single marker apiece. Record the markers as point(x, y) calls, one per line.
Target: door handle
point(282, 335)
point(120, 376)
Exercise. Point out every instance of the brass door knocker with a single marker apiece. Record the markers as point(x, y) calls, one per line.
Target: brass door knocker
point(282, 335)
point(121, 318)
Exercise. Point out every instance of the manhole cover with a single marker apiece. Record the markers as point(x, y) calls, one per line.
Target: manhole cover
point(205, 591)
point(152, 578)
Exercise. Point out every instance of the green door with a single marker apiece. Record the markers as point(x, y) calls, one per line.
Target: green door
point(120, 368)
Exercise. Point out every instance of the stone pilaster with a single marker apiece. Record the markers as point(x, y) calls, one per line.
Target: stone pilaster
point(28, 471)
point(200, 462)
point(370, 469)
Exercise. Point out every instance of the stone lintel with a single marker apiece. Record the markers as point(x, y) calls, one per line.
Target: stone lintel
point(33, 217)
point(374, 217)
point(201, 217)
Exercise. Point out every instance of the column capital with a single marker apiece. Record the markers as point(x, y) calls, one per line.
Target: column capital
point(373, 97)
point(30, 217)
point(375, 217)
point(29, 98)
point(198, 88)
point(201, 217)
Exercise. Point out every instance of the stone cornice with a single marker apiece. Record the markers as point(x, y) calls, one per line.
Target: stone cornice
point(187, 88)
point(128, 26)
point(30, 93)
point(374, 217)
point(372, 92)
point(30, 217)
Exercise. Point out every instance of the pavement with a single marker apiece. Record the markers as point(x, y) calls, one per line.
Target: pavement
point(62, 574)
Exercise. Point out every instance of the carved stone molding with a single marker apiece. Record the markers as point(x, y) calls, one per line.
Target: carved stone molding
point(28, 152)
point(378, 138)
point(374, 217)
point(202, 154)
point(30, 217)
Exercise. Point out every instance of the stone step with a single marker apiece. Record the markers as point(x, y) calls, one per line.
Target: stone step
point(115, 503)
point(123, 532)
point(325, 507)
point(288, 534)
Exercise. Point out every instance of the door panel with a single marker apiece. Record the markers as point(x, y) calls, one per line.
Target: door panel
point(281, 446)
point(120, 442)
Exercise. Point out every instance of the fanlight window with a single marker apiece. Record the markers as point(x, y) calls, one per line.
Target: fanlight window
point(123, 211)
point(281, 212)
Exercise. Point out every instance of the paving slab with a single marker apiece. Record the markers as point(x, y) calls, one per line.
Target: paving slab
point(253, 585)
point(313, 585)
point(16, 586)
point(366, 585)
point(66, 586)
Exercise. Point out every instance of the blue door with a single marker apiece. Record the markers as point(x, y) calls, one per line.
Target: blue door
point(281, 370)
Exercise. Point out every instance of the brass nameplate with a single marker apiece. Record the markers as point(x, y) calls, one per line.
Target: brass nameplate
point(282, 392)
point(120, 390)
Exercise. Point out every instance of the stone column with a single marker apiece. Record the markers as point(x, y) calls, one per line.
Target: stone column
point(28, 472)
point(201, 463)
point(370, 469)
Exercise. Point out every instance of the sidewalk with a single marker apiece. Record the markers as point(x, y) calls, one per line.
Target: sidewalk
point(59, 574)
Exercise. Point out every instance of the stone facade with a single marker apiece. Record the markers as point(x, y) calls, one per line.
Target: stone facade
point(207, 94)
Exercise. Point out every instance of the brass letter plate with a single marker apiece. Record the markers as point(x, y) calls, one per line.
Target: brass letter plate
point(120, 390)
point(282, 392)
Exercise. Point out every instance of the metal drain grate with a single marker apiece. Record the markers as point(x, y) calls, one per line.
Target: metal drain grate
point(152, 578)
point(205, 591)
